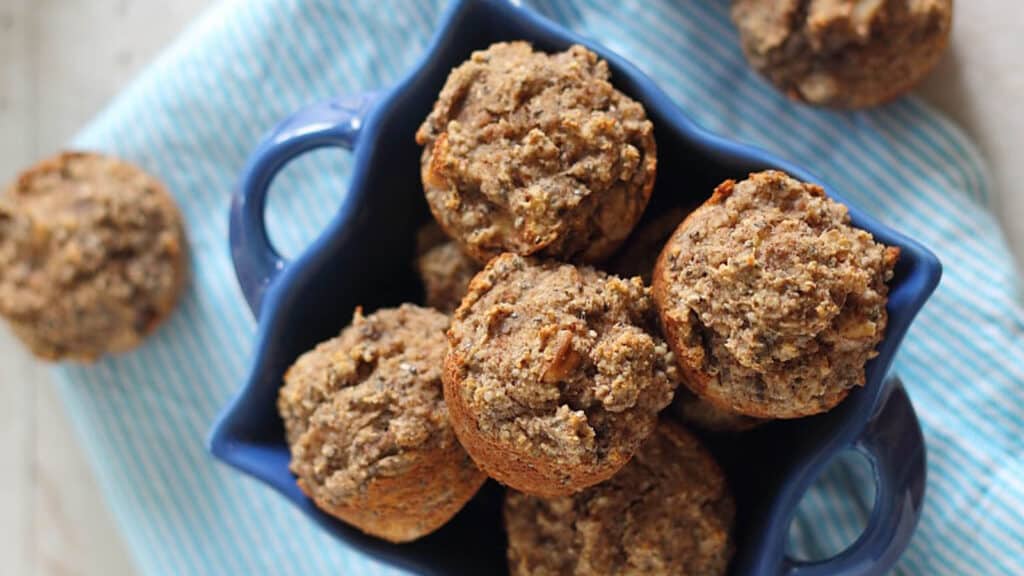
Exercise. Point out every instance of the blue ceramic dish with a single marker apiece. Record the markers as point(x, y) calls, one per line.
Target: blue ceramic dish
point(360, 260)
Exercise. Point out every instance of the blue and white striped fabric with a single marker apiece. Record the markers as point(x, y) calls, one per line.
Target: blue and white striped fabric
point(194, 115)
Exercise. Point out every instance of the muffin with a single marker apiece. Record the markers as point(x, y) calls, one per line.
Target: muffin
point(554, 374)
point(771, 300)
point(92, 256)
point(843, 53)
point(668, 512)
point(444, 269)
point(536, 153)
point(366, 421)
point(698, 413)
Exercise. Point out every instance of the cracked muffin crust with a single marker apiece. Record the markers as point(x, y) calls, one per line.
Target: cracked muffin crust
point(444, 269)
point(366, 421)
point(771, 300)
point(843, 53)
point(554, 374)
point(92, 256)
point(668, 512)
point(536, 153)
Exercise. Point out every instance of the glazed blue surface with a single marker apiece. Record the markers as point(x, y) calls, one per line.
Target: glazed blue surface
point(360, 259)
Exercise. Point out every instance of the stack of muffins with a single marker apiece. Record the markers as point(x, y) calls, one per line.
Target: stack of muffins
point(555, 336)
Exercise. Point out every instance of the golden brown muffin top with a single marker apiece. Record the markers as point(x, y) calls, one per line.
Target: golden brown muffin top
point(776, 296)
point(92, 255)
point(559, 362)
point(845, 53)
point(667, 512)
point(536, 153)
point(364, 403)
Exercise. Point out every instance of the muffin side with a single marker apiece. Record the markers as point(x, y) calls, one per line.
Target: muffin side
point(771, 300)
point(698, 413)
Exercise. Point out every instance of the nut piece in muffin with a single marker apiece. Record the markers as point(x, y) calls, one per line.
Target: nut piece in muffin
point(696, 412)
point(843, 53)
point(365, 417)
point(668, 512)
point(444, 269)
point(771, 300)
point(536, 153)
point(554, 374)
point(92, 256)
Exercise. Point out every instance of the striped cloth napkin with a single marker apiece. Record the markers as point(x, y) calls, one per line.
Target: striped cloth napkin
point(194, 115)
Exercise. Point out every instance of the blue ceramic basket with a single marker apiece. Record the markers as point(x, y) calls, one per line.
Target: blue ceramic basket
point(301, 302)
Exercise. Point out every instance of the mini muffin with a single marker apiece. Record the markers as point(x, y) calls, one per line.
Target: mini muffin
point(844, 53)
point(536, 153)
point(365, 417)
point(92, 256)
point(668, 512)
point(772, 302)
point(554, 374)
point(444, 269)
point(698, 413)
point(640, 252)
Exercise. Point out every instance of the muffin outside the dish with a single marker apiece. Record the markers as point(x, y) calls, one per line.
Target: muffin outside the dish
point(92, 256)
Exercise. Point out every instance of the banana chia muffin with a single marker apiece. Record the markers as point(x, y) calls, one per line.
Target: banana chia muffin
point(92, 256)
point(771, 300)
point(843, 53)
point(554, 374)
point(444, 268)
point(365, 417)
point(536, 153)
point(668, 512)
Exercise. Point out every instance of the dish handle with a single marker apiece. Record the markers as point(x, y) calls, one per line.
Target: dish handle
point(336, 122)
point(893, 444)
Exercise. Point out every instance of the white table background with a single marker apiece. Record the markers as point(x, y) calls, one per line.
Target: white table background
point(61, 60)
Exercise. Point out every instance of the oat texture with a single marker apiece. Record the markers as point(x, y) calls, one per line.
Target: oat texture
point(368, 427)
point(555, 373)
point(843, 53)
point(668, 512)
point(536, 153)
point(92, 256)
point(772, 301)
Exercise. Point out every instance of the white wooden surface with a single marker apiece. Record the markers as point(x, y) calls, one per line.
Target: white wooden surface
point(61, 60)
